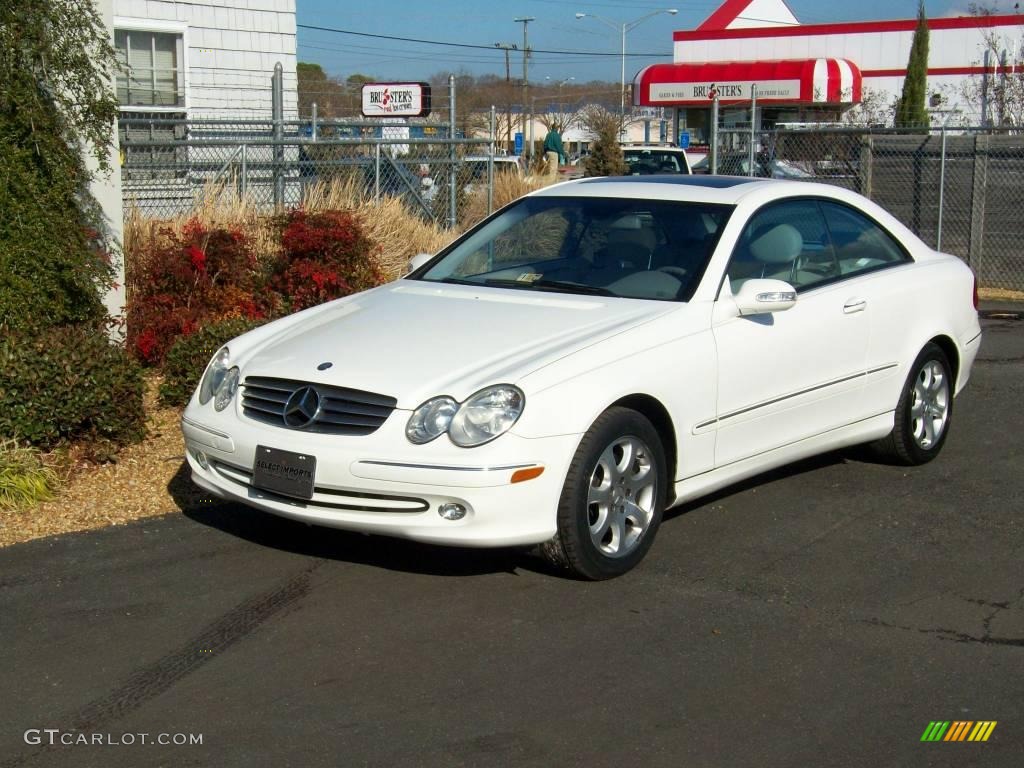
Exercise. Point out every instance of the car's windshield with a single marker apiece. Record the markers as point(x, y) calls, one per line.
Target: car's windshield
point(641, 249)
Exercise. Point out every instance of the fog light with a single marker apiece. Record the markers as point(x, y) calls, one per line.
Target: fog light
point(201, 458)
point(451, 511)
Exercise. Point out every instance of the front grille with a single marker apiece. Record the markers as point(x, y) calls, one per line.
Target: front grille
point(342, 411)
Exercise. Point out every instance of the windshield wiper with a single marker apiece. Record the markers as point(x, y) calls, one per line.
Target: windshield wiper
point(561, 286)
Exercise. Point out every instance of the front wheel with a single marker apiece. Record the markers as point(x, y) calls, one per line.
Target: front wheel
point(614, 492)
point(924, 412)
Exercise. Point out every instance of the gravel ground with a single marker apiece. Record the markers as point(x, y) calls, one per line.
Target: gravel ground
point(138, 485)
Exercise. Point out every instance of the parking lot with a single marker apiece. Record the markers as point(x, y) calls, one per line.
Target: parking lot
point(820, 615)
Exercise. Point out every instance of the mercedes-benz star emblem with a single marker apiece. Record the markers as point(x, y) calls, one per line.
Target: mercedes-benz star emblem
point(302, 408)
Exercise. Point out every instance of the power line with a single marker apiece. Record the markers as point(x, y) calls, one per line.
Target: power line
point(467, 45)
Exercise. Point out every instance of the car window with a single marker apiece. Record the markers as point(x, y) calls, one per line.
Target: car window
point(860, 244)
point(785, 241)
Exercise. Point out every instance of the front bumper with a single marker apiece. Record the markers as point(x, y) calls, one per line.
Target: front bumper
point(383, 484)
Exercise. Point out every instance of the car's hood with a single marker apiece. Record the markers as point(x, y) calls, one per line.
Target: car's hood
point(413, 340)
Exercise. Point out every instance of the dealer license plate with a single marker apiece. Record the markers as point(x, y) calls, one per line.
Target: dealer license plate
point(291, 474)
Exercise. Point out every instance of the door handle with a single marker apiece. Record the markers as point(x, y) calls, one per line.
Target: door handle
point(855, 305)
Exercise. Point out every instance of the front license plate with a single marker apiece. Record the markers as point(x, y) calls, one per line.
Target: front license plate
point(291, 474)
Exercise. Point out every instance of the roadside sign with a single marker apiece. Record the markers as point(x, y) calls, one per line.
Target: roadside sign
point(519, 143)
point(684, 140)
point(396, 99)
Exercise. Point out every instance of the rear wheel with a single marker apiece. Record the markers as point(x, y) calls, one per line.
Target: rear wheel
point(924, 412)
point(612, 501)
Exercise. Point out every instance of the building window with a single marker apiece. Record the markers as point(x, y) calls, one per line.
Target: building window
point(162, 154)
point(152, 73)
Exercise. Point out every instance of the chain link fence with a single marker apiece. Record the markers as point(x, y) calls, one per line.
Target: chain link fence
point(961, 191)
point(169, 166)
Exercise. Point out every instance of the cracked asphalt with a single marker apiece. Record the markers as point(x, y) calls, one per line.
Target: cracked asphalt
point(820, 615)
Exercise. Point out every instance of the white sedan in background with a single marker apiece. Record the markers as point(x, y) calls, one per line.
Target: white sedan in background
point(589, 356)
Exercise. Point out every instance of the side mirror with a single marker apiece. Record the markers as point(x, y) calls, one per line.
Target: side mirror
point(759, 296)
point(418, 261)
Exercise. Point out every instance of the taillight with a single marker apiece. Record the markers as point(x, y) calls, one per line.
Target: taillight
point(975, 291)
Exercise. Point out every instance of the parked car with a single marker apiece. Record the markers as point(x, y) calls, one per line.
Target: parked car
point(473, 170)
point(594, 353)
point(647, 159)
point(738, 164)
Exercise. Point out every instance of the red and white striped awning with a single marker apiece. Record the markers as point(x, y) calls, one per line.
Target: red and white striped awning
point(800, 81)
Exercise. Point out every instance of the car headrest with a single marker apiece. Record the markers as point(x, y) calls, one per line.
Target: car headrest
point(779, 245)
point(629, 230)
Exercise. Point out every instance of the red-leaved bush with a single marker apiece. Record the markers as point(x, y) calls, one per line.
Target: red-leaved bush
point(325, 255)
point(180, 282)
point(183, 281)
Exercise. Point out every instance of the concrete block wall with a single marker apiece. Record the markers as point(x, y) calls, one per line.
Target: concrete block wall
point(231, 49)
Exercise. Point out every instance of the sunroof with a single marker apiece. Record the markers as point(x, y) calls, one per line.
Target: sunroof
point(715, 182)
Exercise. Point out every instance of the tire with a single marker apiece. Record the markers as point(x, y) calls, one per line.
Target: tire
point(613, 498)
point(924, 413)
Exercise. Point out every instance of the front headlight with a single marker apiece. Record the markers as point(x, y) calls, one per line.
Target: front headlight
point(226, 390)
point(486, 415)
point(214, 376)
point(430, 420)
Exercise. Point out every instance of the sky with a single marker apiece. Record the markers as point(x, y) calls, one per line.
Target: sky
point(555, 30)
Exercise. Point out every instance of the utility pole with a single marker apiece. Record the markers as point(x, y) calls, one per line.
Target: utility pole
point(506, 47)
point(525, 21)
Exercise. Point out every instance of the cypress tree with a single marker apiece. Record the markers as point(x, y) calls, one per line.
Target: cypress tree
point(910, 111)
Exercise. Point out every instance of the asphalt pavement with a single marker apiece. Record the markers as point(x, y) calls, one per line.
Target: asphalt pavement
point(822, 615)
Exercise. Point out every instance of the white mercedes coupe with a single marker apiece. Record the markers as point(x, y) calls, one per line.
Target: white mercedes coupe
point(589, 356)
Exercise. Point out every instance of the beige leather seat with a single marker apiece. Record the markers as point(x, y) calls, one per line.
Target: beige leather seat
point(777, 249)
point(629, 245)
point(770, 253)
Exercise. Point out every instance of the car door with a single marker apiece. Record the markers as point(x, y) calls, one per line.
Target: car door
point(868, 258)
point(788, 375)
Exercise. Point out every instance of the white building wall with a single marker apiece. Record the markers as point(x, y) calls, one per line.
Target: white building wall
point(873, 53)
point(106, 189)
point(231, 48)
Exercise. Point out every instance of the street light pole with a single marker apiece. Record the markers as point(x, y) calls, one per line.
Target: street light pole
point(623, 28)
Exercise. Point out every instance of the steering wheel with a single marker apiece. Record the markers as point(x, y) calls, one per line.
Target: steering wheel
point(677, 272)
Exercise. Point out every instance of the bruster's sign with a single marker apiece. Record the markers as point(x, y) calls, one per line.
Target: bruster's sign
point(741, 91)
point(396, 99)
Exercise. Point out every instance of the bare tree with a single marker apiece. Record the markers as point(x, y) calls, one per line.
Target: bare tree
point(877, 108)
point(997, 96)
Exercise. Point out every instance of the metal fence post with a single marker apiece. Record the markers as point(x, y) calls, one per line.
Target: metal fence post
point(245, 172)
point(942, 190)
point(312, 127)
point(277, 109)
point(979, 185)
point(490, 167)
point(753, 115)
point(376, 172)
point(713, 147)
point(452, 197)
point(867, 158)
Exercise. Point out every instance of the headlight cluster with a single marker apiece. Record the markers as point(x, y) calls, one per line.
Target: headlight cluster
point(219, 382)
point(484, 416)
